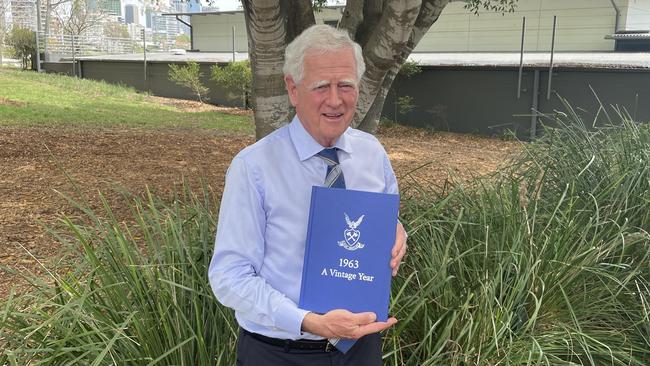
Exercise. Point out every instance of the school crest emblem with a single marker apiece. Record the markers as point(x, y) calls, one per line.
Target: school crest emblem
point(351, 235)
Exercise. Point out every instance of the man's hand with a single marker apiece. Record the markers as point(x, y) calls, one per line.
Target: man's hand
point(344, 324)
point(399, 249)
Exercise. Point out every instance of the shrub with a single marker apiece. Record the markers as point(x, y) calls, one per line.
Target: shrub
point(545, 263)
point(189, 76)
point(139, 296)
point(23, 43)
point(237, 77)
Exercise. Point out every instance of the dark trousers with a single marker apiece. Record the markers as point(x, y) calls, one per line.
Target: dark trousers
point(252, 352)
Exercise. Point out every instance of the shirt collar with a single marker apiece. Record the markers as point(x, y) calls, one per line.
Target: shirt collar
point(306, 146)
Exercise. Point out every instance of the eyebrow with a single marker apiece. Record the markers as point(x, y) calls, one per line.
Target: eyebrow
point(320, 83)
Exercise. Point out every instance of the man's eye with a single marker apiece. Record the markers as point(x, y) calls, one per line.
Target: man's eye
point(346, 86)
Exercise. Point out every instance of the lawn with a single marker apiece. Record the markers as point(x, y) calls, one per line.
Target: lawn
point(31, 99)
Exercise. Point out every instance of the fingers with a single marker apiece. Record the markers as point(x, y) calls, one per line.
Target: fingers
point(364, 318)
point(399, 249)
point(374, 327)
point(400, 239)
point(345, 324)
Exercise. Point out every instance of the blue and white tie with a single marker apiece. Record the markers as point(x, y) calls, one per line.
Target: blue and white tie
point(334, 177)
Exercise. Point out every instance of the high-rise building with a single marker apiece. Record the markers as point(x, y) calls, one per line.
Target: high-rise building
point(131, 14)
point(111, 7)
point(23, 13)
point(166, 25)
point(148, 16)
point(179, 6)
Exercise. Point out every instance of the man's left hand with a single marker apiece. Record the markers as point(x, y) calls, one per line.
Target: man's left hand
point(399, 249)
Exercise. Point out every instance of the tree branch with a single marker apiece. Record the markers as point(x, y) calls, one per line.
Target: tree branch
point(352, 17)
point(372, 15)
point(299, 15)
point(384, 47)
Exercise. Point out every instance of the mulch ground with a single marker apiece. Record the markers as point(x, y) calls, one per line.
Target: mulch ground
point(38, 166)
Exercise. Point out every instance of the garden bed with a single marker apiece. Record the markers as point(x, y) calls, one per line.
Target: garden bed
point(38, 165)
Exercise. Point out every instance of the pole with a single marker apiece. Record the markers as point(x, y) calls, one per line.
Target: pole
point(233, 43)
point(535, 106)
point(38, 30)
point(144, 48)
point(521, 57)
point(550, 71)
point(74, 60)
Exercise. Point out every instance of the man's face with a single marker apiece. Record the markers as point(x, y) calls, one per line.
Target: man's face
point(326, 97)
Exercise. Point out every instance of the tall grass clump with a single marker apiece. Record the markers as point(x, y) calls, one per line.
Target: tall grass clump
point(139, 296)
point(546, 263)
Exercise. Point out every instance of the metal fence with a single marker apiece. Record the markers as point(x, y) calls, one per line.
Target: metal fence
point(89, 45)
point(86, 45)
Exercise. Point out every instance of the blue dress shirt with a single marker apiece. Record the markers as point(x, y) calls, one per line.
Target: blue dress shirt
point(260, 242)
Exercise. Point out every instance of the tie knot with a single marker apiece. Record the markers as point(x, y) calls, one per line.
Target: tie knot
point(330, 156)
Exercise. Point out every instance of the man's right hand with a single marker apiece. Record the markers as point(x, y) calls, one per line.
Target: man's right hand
point(344, 324)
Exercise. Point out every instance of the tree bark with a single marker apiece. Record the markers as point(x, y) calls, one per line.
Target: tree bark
point(429, 14)
point(388, 40)
point(2, 30)
point(352, 17)
point(271, 25)
point(46, 41)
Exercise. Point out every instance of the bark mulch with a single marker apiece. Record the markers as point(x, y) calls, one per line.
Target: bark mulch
point(38, 166)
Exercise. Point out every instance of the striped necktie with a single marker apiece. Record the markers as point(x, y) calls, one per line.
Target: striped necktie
point(334, 177)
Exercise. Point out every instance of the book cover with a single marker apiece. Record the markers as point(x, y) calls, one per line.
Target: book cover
point(347, 256)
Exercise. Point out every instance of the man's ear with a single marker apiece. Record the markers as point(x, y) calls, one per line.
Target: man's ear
point(292, 89)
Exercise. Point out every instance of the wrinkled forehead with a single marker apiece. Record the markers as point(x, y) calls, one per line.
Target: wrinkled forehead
point(328, 65)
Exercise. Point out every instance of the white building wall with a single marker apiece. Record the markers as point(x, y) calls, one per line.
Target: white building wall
point(635, 15)
point(213, 32)
point(581, 26)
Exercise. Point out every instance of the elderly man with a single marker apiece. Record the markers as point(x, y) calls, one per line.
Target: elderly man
point(260, 241)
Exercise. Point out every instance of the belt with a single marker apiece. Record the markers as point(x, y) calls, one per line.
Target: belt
point(288, 344)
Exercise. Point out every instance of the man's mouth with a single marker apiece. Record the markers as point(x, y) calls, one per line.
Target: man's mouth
point(333, 115)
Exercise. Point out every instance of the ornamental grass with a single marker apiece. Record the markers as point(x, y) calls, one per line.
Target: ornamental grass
point(544, 263)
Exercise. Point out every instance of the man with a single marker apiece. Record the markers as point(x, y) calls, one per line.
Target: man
point(262, 227)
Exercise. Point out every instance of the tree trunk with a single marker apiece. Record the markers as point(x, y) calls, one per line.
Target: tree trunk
point(48, 19)
point(2, 30)
point(429, 14)
point(271, 25)
point(387, 30)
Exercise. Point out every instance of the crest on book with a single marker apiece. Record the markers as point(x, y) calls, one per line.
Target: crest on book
point(351, 235)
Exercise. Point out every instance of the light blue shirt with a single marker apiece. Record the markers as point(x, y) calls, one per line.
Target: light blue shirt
point(260, 243)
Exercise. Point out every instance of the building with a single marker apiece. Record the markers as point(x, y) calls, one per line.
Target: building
point(581, 26)
point(131, 14)
point(213, 31)
point(110, 7)
point(23, 13)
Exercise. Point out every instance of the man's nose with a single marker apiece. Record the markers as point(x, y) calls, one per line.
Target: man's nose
point(333, 98)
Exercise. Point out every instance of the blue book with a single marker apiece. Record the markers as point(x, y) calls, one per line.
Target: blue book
point(347, 256)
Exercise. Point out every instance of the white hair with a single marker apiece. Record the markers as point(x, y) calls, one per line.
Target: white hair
point(319, 38)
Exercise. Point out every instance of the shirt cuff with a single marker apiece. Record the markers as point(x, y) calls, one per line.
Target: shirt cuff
point(289, 317)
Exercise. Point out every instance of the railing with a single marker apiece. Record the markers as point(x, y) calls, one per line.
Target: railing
point(71, 45)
